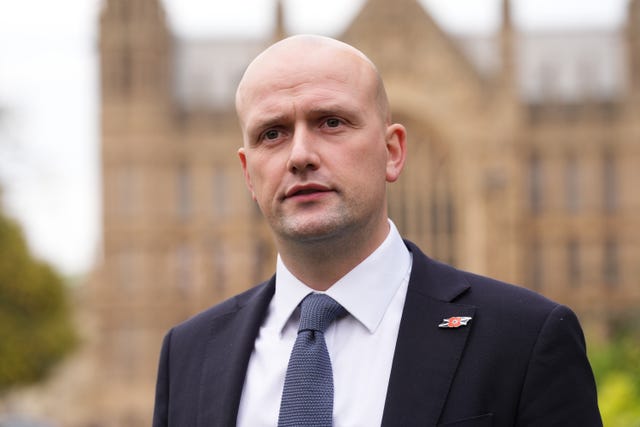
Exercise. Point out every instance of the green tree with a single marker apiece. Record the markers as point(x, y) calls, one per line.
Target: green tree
point(36, 330)
point(616, 366)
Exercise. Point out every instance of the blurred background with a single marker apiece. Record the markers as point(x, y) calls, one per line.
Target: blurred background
point(123, 210)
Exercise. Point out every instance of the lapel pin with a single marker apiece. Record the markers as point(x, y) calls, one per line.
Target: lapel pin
point(454, 322)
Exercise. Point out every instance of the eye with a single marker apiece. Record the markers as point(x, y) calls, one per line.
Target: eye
point(271, 134)
point(333, 122)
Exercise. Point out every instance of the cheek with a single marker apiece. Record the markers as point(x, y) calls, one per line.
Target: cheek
point(370, 163)
point(364, 171)
point(264, 180)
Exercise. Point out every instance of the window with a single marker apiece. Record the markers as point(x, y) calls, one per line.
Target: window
point(537, 267)
point(126, 191)
point(451, 229)
point(435, 223)
point(572, 184)
point(261, 256)
point(610, 271)
point(124, 348)
point(535, 183)
point(125, 269)
point(546, 81)
point(443, 223)
point(184, 266)
point(221, 203)
point(219, 272)
point(183, 193)
point(609, 182)
point(126, 81)
point(573, 260)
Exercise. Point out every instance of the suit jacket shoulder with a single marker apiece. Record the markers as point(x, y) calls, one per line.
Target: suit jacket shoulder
point(200, 323)
point(520, 360)
point(203, 361)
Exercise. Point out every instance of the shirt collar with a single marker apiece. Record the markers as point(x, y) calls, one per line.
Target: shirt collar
point(378, 277)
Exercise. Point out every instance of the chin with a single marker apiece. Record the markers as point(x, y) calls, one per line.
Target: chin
point(313, 230)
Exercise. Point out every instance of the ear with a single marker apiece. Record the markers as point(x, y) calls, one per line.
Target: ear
point(247, 178)
point(396, 139)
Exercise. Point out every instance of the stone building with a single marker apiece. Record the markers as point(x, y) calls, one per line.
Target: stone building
point(523, 165)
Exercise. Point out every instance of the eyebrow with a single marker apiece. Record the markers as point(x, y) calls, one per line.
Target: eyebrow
point(348, 112)
point(330, 110)
point(266, 123)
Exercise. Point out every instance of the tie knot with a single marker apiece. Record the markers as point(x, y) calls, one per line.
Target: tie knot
point(317, 311)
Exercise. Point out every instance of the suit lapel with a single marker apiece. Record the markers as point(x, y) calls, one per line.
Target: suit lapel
point(227, 356)
point(425, 359)
point(426, 356)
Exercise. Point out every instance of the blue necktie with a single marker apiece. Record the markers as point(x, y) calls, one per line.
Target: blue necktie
point(307, 397)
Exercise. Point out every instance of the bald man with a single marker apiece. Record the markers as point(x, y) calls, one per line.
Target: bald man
point(419, 343)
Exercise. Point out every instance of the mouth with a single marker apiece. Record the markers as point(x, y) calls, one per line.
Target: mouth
point(305, 191)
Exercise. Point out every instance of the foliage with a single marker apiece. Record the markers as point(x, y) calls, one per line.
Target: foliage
point(36, 331)
point(616, 366)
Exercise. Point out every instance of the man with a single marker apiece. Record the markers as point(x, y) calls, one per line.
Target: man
point(417, 343)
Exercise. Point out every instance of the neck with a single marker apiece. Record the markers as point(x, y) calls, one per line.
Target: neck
point(321, 263)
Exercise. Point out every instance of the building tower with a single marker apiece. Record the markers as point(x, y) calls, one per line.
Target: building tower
point(633, 52)
point(135, 52)
point(280, 31)
point(179, 230)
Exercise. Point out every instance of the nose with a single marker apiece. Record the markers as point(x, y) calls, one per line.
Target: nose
point(303, 155)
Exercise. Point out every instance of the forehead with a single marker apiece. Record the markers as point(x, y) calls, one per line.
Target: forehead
point(306, 92)
point(306, 78)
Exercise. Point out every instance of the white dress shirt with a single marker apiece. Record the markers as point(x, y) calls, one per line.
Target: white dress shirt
point(361, 345)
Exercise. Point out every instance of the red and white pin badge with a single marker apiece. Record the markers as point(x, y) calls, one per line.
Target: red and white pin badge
point(454, 322)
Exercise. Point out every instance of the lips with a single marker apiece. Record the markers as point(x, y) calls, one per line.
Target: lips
point(305, 190)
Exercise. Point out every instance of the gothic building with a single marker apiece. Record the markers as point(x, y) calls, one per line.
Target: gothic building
point(523, 165)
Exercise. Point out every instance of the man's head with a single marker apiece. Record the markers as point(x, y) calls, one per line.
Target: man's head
point(287, 48)
point(319, 145)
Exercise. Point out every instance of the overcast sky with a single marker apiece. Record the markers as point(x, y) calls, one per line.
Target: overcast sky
point(49, 165)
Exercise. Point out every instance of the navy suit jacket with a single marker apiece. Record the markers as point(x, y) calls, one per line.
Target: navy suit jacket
point(520, 361)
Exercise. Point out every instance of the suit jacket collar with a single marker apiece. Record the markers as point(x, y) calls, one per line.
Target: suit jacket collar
point(227, 354)
point(435, 279)
point(426, 356)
